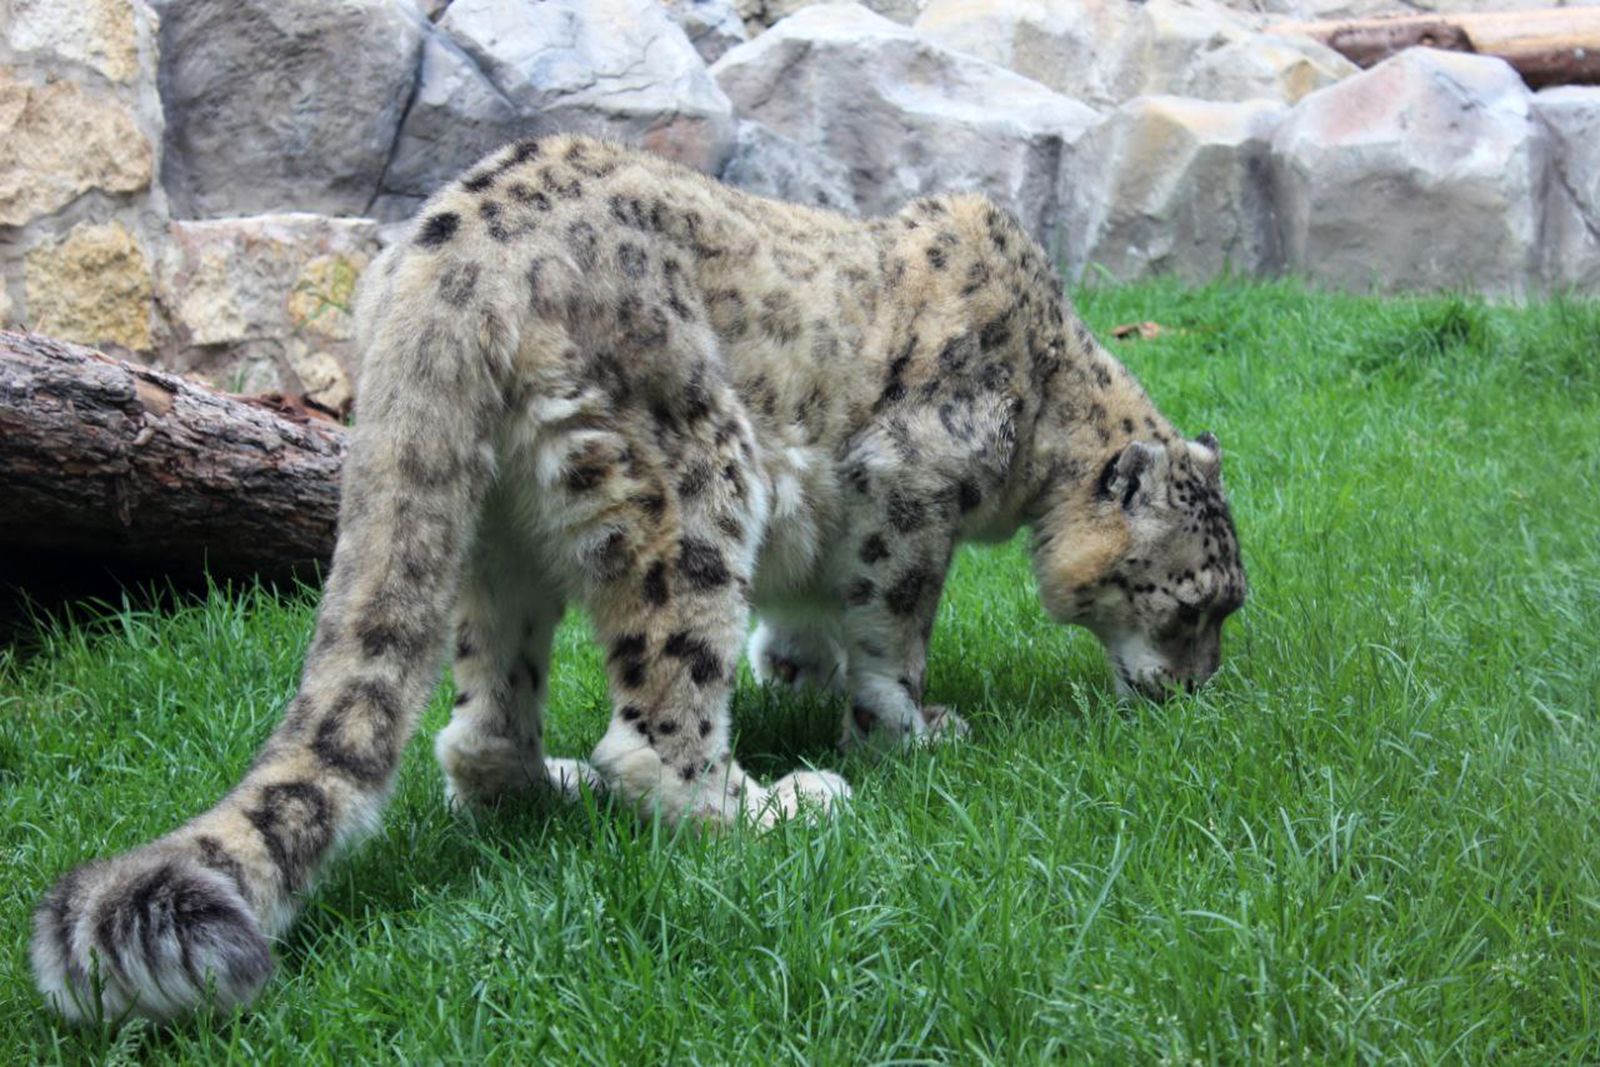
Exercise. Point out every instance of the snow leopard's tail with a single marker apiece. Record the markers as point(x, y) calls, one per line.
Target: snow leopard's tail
point(158, 930)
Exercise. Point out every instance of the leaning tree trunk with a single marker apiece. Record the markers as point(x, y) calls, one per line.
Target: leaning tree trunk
point(115, 463)
point(1554, 47)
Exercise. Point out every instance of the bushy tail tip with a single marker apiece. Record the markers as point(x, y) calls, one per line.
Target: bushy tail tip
point(152, 933)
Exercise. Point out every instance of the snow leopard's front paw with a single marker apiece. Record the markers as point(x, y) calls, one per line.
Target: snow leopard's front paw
point(929, 724)
point(733, 798)
point(482, 770)
point(942, 724)
point(800, 795)
point(569, 777)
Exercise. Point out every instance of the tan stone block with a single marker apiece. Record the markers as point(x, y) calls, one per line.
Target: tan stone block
point(94, 287)
point(62, 140)
point(246, 296)
point(227, 281)
point(324, 295)
point(322, 378)
point(100, 34)
point(206, 305)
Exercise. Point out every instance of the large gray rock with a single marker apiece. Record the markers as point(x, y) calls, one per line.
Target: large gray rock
point(457, 116)
point(759, 14)
point(1424, 172)
point(712, 26)
point(1170, 185)
point(614, 68)
point(1108, 51)
point(1076, 47)
point(1353, 9)
point(275, 104)
point(1571, 242)
point(769, 164)
point(1199, 48)
point(906, 116)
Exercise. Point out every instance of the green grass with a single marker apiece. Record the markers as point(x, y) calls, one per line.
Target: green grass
point(1375, 838)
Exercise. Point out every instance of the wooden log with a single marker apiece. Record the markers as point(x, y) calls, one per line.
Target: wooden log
point(1559, 46)
point(112, 462)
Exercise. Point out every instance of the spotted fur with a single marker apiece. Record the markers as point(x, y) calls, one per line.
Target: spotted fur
point(592, 377)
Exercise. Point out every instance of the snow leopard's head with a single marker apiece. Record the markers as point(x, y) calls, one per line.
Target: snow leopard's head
point(1146, 557)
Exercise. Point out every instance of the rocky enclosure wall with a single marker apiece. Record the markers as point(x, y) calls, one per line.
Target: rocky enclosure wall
point(199, 183)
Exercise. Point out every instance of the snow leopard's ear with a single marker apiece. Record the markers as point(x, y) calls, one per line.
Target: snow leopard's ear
point(1134, 476)
point(1207, 452)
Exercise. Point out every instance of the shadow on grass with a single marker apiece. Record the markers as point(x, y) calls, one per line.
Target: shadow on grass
point(41, 591)
point(441, 852)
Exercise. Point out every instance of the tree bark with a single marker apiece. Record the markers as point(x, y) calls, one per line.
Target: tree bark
point(117, 463)
point(1560, 46)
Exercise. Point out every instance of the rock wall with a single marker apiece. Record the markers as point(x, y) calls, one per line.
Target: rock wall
point(82, 209)
point(198, 183)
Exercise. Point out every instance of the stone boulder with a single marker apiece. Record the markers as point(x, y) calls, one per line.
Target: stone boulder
point(264, 303)
point(1199, 48)
point(712, 26)
point(100, 35)
point(1426, 171)
point(457, 116)
point(275, 104)
point(1170, 185)
point(81, 205)
point(1108, 51)
point(494, 72)
point(769, 164)
point(1076, 47)
point(1356, 9)
point(614, 68)
point(63, 140)
point(760, 14)
point(1571, 241)
point(907, 117)
point(93, 285)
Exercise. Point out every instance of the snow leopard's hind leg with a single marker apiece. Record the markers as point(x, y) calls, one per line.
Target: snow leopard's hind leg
point(797, 650)
point(658, 514)
point(506, 618)
point(151, 931)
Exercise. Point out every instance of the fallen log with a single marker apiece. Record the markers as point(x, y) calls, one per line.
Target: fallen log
point(1560, 46)
point(119, 464)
